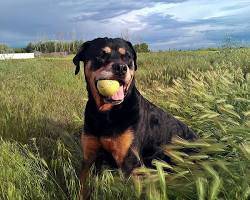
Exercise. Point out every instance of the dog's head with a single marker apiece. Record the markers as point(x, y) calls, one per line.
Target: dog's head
point(107, 59)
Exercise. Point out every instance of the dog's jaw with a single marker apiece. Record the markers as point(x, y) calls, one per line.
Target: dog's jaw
point(105, 104)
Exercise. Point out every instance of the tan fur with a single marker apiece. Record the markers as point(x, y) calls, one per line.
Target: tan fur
point(91, 76)
point(90, 145)
point(129, 78)
point(105, 107)
point(103, 71)
point(117, 146)
point(122, 51)
point(107, 50)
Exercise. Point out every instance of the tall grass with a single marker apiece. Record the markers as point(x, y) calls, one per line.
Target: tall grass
point(25, 175)
point(41, 105)
point(215, 104)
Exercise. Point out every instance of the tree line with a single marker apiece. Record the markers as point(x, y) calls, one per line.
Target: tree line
point(70, 47)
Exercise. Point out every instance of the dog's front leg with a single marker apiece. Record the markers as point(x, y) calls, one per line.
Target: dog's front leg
point(90, 146)
point(84, 190)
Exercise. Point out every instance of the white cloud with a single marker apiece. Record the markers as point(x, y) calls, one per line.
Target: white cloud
point(175, 24)
point(193, 10)
point(134, 20)
point(187, 11)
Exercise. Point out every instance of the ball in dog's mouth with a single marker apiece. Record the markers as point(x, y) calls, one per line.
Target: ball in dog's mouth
point(112, 91)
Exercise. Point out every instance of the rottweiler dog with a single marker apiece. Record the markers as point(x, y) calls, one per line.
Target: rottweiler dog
point(125, 130)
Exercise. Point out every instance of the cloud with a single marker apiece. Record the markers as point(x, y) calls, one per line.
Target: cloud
point(162, 24)
point(176, 24)
point(172, 26)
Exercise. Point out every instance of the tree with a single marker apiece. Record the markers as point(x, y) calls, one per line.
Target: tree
point(5, 49)
point(142, 47)
point(30, 48)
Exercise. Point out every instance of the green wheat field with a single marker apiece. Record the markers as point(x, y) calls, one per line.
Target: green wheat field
point(41, 115)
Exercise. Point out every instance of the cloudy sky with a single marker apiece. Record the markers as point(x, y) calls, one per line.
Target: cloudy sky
point(175, 24)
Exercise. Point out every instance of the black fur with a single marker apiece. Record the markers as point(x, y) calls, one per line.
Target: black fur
point(152, 127)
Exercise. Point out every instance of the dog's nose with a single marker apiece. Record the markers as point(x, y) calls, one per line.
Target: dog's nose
point(119, 69)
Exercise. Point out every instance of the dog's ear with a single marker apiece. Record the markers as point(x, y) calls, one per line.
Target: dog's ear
point(134, 54)
point(80, 56)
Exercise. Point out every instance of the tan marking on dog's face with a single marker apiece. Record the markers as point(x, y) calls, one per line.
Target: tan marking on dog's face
point(105, 107)
point(104, 72)
point(122, 51)
point(91, 77)
point(107, 50)
point(129, 78)
point(118, 146)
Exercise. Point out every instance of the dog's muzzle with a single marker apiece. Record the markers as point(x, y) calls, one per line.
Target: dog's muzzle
point(119, 69)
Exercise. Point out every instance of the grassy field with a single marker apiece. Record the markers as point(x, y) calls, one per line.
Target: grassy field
point(41, 114)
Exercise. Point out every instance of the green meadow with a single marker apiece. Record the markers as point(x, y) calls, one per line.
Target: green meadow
point(41, 115)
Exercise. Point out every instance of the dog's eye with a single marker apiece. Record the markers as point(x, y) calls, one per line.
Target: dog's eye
point(102, 57)
point(101, 60)
point(127, 56)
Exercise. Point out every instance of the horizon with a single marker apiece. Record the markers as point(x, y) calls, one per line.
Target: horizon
point(163, 25)
point(223, 45)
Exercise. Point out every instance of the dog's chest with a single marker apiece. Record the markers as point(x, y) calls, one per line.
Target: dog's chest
point(118, 146)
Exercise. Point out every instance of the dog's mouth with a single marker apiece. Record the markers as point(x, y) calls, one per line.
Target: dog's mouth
point(118, 97)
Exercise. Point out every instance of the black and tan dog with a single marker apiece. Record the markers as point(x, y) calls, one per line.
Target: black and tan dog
point(124, 130)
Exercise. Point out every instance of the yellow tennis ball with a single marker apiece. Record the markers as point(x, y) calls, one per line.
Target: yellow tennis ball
point(108, 87)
